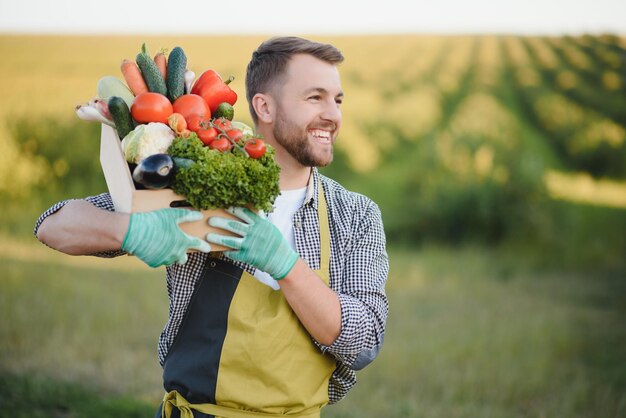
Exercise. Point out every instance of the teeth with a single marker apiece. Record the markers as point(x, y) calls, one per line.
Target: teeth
point(320, 134)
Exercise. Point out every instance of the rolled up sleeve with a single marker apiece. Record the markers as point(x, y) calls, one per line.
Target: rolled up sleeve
point(102, 201)
point(364, 305)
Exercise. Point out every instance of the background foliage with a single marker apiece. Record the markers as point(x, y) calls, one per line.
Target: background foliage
point(457, 138)
point(499, 164)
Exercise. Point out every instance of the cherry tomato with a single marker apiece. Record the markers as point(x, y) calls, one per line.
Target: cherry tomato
point(151, 107)
point(195, 122)
point(190, 104)
point(222, 124)
point(234, 134)
point(255, 148)
point(221, 144)
point(207, 135)
point(176, 121)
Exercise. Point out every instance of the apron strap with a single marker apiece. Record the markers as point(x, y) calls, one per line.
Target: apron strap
point(174, 399)
point(322, 215)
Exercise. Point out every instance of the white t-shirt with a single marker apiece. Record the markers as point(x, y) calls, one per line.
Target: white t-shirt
point(285, 207)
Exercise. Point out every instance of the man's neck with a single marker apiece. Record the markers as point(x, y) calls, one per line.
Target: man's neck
point(292, 177)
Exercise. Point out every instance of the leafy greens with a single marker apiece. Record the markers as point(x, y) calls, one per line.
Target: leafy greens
point(221, 180)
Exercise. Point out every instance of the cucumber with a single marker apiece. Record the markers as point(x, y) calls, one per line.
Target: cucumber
point(224, 110)
point(182, 162)
point(121, 116)
point(176, 66)
point(109, 86)
point(150, 72)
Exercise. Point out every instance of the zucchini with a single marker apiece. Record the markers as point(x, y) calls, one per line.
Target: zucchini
point(175, 78)
point(121, 116)
point(150, 72)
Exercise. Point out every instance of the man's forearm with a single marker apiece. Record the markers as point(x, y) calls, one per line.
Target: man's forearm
point(80, 228)
point(316, 305)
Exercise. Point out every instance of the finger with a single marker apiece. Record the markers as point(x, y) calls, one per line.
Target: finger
point(177, 257)
point(187, 215)
point(228, 225)
point(182, 259)
point(200, 245)
point(244, 214)
point(225, 240)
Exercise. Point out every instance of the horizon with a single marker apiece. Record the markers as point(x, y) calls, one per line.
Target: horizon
point(325, 17)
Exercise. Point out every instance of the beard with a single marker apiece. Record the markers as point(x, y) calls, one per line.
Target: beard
point(295, 141)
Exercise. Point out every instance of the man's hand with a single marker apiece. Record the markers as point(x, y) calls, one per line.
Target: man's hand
point(155, 238)
point(260, 243)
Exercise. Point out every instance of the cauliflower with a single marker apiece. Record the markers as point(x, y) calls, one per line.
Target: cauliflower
point(146, 140)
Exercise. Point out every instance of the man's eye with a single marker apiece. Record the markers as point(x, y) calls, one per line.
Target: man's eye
point(316, 97)
point(339, 101)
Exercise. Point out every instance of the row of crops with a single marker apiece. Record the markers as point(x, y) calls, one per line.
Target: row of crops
point(461, 133)
point(572, 91)
point(454, 136)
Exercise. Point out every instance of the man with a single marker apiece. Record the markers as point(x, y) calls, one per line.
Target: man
point(278, 325)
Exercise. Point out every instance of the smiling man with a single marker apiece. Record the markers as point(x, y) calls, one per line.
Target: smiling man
point(301, 118)
point(279, 325)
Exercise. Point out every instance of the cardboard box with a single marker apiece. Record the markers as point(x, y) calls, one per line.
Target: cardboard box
point(128, 199)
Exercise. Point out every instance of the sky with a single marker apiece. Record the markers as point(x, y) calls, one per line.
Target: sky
point(328, 17)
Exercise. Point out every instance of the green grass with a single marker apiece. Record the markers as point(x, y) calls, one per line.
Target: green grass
point(481, 334)
point(45, 398)
point(471, 333)
point(78, 324)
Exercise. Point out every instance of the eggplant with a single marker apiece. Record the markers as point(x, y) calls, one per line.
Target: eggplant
point(155, 172)
point(131, 167)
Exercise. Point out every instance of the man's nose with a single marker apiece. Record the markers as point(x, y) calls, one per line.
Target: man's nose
point(332, 113)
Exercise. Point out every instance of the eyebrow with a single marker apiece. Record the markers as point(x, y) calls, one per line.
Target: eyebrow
point(322, 90)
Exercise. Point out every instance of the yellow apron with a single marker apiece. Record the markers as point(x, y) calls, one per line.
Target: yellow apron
point(241, 350)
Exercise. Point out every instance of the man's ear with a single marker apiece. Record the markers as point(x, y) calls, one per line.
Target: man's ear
point(264, 107)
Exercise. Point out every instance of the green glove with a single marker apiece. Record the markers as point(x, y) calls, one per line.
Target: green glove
point(155, 238)
point(261, 244)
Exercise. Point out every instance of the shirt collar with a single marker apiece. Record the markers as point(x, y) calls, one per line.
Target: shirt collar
point(312, 187)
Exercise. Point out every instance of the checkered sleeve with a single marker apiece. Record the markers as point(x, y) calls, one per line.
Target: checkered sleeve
point(102, 201)
point(364, 305)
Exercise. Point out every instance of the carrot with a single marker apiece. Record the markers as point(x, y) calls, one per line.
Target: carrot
point(161, 62)
point(133, 77)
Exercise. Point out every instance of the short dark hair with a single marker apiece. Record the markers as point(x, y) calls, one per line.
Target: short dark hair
point(269, 61)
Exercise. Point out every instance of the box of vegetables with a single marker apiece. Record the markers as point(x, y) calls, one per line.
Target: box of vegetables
point(169, 139)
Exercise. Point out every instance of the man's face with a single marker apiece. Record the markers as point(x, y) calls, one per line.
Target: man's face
point(308, 115)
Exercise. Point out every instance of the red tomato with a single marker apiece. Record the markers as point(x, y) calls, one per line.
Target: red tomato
point(255, 148)
point(221, 144)
point(190, 104)
point(151, 107)
point(194, 122)
point(222, 124)
point(207, 136)
point(234, 134)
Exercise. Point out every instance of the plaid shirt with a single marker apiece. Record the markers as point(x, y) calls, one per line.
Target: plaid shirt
point(358, 272)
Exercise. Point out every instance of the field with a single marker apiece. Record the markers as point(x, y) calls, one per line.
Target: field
point(457, 138)
point(472, 333)
point(499, 164)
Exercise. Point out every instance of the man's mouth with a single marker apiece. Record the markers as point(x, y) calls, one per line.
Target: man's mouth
point(321, 135)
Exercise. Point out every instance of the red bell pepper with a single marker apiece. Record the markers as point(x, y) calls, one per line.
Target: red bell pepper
point(214, 90)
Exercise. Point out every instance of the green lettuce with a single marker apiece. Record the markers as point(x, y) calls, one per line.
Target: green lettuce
point(221, 180)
